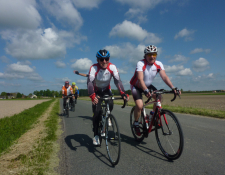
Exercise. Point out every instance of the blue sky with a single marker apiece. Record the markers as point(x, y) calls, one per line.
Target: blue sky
point(43, 41)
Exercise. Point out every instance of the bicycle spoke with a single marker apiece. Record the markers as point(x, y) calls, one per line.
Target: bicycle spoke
point(169, 136)
point(113, 140)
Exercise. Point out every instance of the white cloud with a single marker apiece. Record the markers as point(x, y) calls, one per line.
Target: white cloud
point(186, 34)
point(19, 14)
point(143, 4)
point(179, 58)
point(200, 65)
point(82, 64)
point(60, 64)
point(163, 11)
point(34, 77)
point(122, 71)
point(20, 68)
point(62, 80)
point(185, 72)
point(198, 50)
point(11, 76)
point(2, 83)
point(134, 31)
point(128, 51)
point(64, 12)
point(39, 44)
point(174, 68)
point(82, 81)
point(89, 4)
point(4, 59)
point(137, 14)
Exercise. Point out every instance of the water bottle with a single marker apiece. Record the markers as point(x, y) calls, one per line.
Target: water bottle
point(147, 120)
point(150, 117)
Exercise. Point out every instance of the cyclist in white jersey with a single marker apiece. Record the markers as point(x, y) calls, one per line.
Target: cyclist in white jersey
point(144, 75)
point(98, 84)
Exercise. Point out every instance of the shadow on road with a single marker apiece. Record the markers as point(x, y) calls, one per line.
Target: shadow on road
point(131, 141)
point(86, 141)
point(86, 117)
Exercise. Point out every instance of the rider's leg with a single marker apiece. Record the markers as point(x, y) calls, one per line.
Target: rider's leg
point(136, 93)
point(138, 108)
point(96, 109)
point(76, 98)
point(64, 103)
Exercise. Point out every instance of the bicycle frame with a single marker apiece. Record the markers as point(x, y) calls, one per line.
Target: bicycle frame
point(157, 111)
point(105, 112)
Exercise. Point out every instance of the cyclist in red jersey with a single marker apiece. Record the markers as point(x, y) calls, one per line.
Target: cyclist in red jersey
point(145, 73)
point(98, 84)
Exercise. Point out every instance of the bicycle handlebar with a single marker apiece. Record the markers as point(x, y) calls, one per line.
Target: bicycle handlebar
point(65, 96)
point(114, 98)
point(162, 91)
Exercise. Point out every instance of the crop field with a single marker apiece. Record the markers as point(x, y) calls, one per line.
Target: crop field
point(205, 101)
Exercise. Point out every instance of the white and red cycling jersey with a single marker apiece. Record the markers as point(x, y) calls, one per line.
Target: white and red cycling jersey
point(149, 71)
point(99, 79)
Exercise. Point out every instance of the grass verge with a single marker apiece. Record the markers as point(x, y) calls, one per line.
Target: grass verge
point(11, 128)
point(39, 160)
point(180, 109)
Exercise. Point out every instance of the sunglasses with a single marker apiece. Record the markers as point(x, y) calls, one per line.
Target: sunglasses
point(152, 54)
point(102, 59)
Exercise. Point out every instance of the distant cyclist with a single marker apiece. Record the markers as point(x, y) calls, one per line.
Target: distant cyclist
point(144, 75)
point(75, 91)
point(66, 90)
point(98, 84)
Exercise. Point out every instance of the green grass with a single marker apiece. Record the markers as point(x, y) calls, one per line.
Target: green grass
point(179, 109)
point(219, 93)
point(11, 128)
point(37, 161)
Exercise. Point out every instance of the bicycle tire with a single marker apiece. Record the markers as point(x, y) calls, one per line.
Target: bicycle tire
point(166, 137)
point(142, 126)
point(112, 140)
point(67, 110)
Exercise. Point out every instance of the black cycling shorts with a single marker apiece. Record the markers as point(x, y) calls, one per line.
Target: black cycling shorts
point(137, 92)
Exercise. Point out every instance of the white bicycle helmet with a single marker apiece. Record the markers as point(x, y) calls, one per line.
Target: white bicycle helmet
point(150, 49)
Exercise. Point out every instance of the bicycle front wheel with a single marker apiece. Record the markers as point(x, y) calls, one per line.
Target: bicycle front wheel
point(169, 135)
point(67, 110)
point(112, 140)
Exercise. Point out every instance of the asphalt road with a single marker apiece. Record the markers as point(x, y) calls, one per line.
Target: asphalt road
point(204, 147)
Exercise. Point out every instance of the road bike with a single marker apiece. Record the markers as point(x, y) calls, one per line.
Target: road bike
point(168, 131)
point(68, 104)
point(108, 126)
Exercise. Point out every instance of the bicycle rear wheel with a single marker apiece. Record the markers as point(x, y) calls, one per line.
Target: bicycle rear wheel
point(142, 126)
point(169, 135)
point(112, 140)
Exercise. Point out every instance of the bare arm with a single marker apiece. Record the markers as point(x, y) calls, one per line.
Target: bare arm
point(166, 78)
point(140, 77)
point(81, 74)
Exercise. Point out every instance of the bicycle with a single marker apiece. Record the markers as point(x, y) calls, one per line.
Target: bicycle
point(68, 104)
point(112, 134)
point(166, 126)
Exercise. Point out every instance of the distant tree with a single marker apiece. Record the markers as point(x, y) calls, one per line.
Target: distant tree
point(3, 94)
point(181, 90)
point(19, 95)
point(128, 92)
point(48, 93)
point(41, 93)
